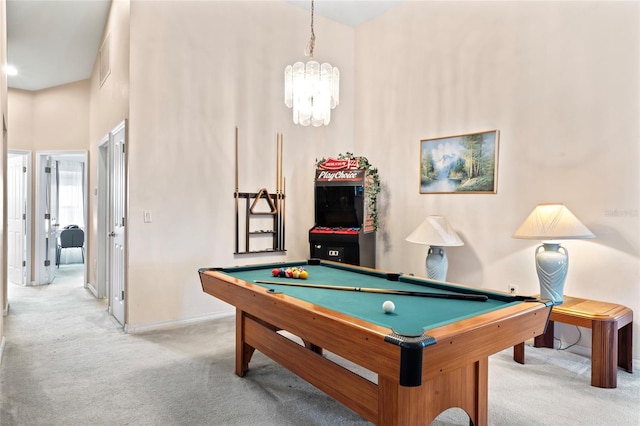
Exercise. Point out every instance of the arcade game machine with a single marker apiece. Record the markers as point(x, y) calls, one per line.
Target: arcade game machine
point(343, 230)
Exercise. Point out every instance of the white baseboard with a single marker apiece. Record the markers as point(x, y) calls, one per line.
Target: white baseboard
point(575, 348)
point(92, 289)
point(140, 328)
point(580, 350)
point(2, 342)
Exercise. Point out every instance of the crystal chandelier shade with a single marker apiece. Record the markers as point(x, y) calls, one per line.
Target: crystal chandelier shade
point(312, 90)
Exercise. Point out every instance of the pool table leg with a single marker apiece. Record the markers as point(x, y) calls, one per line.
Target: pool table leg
point(518, 353)
point(465, 387)
point(244, 352)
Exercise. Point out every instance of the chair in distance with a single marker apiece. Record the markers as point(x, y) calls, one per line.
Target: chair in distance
point(70, 238)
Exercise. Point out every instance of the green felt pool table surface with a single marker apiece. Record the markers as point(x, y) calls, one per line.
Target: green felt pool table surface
point(412, 314)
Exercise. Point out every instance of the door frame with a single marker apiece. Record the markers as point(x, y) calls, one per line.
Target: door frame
point(105, 199)
point(102, 239)
point(41, 277)
point(27, 155)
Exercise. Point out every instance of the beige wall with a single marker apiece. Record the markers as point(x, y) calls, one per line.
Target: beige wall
point(109, 106)
point(61, 117)
point(560, 82)
point(110, 98)
point(50, 120)
point(21, 119)
point(198, 69)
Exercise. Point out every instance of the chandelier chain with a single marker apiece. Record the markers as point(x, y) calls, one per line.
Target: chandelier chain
point(311, 89)
point(312, 40)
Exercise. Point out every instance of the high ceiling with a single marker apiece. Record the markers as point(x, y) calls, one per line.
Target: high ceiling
point(54, 42)
point(348, 12)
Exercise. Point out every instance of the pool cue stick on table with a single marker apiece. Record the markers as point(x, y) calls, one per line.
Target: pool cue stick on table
point(457, 296)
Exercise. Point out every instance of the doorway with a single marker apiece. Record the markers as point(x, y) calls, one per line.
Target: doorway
point(61, 202)
point(112, 213)
point(19, 217)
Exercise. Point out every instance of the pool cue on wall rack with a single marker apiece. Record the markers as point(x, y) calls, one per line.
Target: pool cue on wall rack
point(236, 197)
point(279, 193)
point(281, 211)
point(284, 211)
point(458, 296)
point(280, 205)
point(276, 241)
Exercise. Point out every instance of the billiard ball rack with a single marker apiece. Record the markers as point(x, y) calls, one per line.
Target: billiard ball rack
point(254, 208)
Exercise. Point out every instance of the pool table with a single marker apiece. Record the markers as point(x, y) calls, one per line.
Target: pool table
point(430, 354)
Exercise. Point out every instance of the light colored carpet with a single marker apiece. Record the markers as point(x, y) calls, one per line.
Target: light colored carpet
point(66, 362)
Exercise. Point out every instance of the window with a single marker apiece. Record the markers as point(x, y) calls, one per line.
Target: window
point(70, 185)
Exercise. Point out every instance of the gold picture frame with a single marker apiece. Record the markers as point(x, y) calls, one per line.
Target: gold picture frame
point(461, 164)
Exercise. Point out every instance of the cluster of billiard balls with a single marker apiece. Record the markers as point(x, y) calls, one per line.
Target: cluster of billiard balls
point(293, 272)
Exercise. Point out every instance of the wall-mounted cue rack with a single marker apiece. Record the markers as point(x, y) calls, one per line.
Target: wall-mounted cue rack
point(263, 214)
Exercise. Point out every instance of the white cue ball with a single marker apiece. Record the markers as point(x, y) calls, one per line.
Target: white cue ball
point(388, 307)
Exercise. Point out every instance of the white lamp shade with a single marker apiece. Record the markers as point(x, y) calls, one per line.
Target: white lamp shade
point(552, 222)
point(435, 231)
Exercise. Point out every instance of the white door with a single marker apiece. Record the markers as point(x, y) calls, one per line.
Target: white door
point(117, 216)
point(46, 222)
point(51, 219)
point(17, 218)
point(46, 208)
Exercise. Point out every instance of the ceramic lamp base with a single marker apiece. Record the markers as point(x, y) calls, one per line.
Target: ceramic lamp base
point(552, 263)
point(437, 263)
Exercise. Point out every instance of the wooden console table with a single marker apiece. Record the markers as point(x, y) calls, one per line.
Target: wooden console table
point(611, 336)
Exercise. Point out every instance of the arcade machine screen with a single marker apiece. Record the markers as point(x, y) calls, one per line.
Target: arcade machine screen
point(339, 207)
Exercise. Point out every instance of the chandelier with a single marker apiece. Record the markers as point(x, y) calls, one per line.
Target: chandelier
point(311, 89)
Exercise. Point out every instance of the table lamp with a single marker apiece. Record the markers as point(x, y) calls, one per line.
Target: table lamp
point(436, 232)
point(550, 223)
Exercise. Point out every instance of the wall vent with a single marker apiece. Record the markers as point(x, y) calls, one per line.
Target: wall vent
point(105, 65)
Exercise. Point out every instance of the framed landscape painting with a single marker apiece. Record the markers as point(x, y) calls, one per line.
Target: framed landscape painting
point(462, 164)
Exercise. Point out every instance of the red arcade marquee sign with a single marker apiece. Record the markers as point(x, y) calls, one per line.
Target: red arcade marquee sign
point(333, 170)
